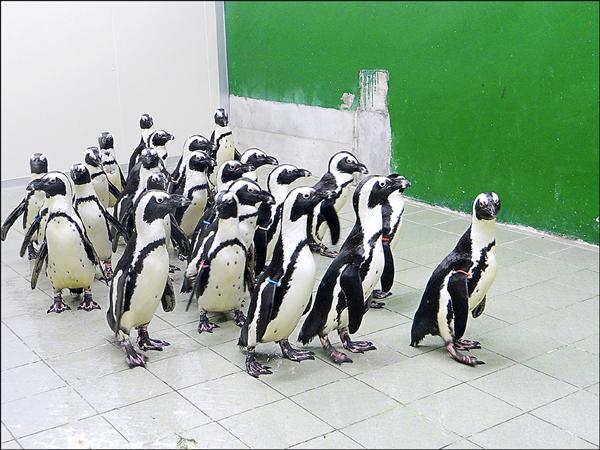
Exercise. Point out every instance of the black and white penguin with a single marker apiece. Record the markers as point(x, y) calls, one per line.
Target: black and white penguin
point(103, 187)
point(70, 255)
point(342, 296)
point(217, 274)
point(158, 141)
point(256, 158)
point(146, 129)
point(340, 173)
point(141, 280)
point(284, 290)
point(459, 284)
point(267, 231)
point(31, 205)
point(393, 212)
point(196, 190)
point(229, 172)
point(96, 219)
point(222, 142)
point(193, 143)
point(110, 165)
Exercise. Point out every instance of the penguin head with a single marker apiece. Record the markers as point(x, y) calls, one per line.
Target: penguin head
point(156, 204)
point(53, 184)
point(149, 158)
point(374, 190)
point(80, 174)
point(197, 142)
point(199, 161)
point(93, 157)
point(249, 192)
point(232, 170)
point(221, 118)
point(257, 158)
point(157, 181)
point(226, 205)
point(404, 182)
point(486, 206)
point(285, 174)
point(38, 163)
point(160, 138)
point(346, 162)
point(146, 121)
point(106, 141)
point(303, 200)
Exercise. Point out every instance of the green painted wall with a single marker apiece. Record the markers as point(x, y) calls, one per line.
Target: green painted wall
point(482, 96)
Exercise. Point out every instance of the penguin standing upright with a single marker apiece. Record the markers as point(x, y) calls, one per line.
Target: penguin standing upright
point(283, 291)
point(71, 258)
point(141, 280)
point(103, 187)
point(146, 129)
point(31, 205)
point(96, 220)
point(110, 165)
point(459, 284)
point(229, 172)
point(191, 144)
point(393, 211)
point(340, 173)
point(256, 158)
point(222, 142)
point(158, 141)
point(195, 189)
point(267, 232)
point(343, 293)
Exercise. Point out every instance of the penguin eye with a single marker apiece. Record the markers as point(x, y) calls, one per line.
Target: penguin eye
point(53, 180)
point(159, 200)
point(305, 195)
point(382, 183)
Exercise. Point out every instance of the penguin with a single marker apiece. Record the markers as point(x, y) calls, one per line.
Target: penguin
point(267, 232)
point(393, 211)
point(146, 129)
point(343, 293)
point(256, 158)
point(31, 205)
point(103, 187)
point(158, 140)
point(67, 250)
point(96, 219)
point(459, 284)
point(217, 274)
point(191, 144)
point(340, 173)
point(222, 142)
point(141, 280)
point(196, 190)
point(110, 164)
point(284, 290)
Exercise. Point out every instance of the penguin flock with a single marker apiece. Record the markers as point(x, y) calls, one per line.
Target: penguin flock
point(250, 250)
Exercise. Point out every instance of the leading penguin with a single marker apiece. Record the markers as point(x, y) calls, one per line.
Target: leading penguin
point(146, 129)
point(110, 165)
point(459, 284)
point(283, 291)
point(342, 296)
point(141, 280)
point(222, 142)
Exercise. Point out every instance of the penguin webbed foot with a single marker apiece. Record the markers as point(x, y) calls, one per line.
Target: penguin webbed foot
point(334, 355)
point(31, 252)
point(356, 346)
point(205, 325)
point(378, 294)
point(134, 359)
point(466, 344)
point(239, 318)
point(253, 367)
point(322, 250)
point(374, 304)
point(58, 305)
point(145, 343)
point(87, 303)
point(461, 357)
point(293, 354)
point(108, 271)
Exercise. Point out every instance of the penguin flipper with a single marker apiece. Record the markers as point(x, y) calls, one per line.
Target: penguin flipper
point(120, 294)
point(351, 284)
point(179, 237)
point(120, 229)
point(39, 263)
point(267, 305)
point(112, 189)
point(459, 293)
point(168, 297)
point(330, 216)
point(35, 226)
point(478, 310)
point(12, 217)
point(123, 181)
point(308, 305)
point(387, 277)
point(92, 255)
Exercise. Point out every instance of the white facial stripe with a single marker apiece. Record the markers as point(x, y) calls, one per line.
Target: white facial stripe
point(495, 197)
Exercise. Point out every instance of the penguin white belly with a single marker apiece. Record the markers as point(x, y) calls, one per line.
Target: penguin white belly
point(225, 285)
point(194, 212)
point(34, 205)
point(445, 329)
point(296, 298)
point(485, 282)
point(162, 152)
point(96, 229)
point(68, 263)
point(167, 228)
point(100, 184)
point(247, 229)
point(148, 290)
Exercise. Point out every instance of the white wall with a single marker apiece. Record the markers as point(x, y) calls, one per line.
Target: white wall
point(73, 69)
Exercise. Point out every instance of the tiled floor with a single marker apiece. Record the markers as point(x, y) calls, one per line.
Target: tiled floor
point(66, 384)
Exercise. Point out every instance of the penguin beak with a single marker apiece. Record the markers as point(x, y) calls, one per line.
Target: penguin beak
point(400, 183)
point(325, 194)
point(171, 137)
point(267, 197)
point(362, 168)
point(36, 185)
point(246, 168)
point(303, 173)
point(212, 162)
point(272, 160)
point(177, 201)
